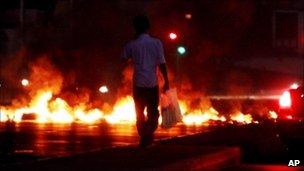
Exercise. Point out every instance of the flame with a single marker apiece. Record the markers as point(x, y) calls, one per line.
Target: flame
point(197, 116)
point(242, 118)
point(273, 115)
point(45, 85)
point(48, 110)
point(124, 112)
point(58, 110)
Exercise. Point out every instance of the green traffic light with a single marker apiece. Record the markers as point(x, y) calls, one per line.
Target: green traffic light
point(181, 50)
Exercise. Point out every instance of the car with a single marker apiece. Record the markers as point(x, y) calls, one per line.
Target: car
point(291, 104)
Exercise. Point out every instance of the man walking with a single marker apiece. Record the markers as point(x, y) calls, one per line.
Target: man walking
point(146, 54)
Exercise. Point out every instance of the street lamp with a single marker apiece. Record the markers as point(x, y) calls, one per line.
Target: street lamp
point(25, 82)
point(103, 89)
point(188, 16)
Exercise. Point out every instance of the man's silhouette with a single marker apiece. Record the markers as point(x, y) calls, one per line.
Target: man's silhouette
point(146, 54)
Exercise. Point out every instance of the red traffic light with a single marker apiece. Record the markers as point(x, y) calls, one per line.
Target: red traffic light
point(172, 36)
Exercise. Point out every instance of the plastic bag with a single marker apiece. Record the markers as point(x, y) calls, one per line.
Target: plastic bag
point(170, 110)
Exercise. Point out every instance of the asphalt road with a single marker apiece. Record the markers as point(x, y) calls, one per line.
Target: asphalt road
point(266, 143)
point(51, 140)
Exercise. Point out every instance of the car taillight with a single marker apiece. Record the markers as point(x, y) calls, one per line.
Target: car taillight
point(285, 100)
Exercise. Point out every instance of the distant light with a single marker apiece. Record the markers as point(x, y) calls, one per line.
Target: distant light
point(172, 36)
point(181, 50)
point(103, 89)
point(294, 86)
point(25, 82)
point(285, 100)
point(188, 16)
point(289, 117)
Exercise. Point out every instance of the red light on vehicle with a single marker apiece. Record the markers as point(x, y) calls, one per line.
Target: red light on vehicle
point(285, 100)
point(289, 117)
point(294, 86)
point(172, 36)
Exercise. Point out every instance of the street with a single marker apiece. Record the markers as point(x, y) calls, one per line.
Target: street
point(270, 144)
point(52, 140)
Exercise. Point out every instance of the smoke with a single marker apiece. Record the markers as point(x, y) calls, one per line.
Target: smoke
point(44, 76)
point(12, 67)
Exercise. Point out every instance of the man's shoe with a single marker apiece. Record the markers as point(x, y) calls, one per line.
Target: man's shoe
point(146, 141)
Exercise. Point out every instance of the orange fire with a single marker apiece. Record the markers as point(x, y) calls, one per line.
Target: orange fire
point(51, 110)
point(58, 110)
point(46, 83)
point(272, 115)
point(242, 118)
point(123, 112)
point(197, 116)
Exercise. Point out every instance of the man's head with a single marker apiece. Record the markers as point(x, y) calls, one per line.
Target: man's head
point(141, 24)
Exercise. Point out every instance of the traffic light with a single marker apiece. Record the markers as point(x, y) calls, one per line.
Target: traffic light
point(172, 35)
point(181, 50)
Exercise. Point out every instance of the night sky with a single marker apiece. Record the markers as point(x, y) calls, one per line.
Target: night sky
point(85, 41)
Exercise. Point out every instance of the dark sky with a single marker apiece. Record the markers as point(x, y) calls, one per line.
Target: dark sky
point(217, 30)
point(85, 42)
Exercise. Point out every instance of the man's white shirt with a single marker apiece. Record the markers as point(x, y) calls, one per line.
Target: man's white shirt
point(146, 53)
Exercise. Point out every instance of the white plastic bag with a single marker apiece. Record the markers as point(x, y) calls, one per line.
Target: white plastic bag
point(170, 110)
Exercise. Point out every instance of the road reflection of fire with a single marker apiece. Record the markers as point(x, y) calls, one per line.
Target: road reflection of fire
point(48, 108)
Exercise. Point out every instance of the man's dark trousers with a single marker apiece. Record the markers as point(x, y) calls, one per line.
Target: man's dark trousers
point(146, 98)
